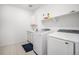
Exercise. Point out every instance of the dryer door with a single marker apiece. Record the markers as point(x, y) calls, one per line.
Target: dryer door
point(58, 46)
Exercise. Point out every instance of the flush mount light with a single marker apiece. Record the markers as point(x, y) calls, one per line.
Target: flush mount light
point(30, 5)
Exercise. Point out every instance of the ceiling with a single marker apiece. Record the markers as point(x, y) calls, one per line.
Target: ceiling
point(30, 7)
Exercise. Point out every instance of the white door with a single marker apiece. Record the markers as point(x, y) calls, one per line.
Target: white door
point(57, 46)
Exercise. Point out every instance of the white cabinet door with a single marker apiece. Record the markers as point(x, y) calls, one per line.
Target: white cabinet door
point(59, 47)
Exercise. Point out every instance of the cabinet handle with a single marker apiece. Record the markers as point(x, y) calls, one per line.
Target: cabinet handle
point(66, 43)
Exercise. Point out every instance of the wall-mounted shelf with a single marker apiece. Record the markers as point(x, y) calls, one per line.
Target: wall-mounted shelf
point(66, 20)
point(47, 22)
point(51, 19)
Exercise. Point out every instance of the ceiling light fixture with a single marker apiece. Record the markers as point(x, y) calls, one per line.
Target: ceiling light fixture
point(30, 5)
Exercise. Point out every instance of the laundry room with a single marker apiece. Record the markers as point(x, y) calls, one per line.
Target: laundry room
point(39, 29)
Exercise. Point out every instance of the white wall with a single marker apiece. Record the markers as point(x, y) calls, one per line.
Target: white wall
point(55, 10)
point(14, 24)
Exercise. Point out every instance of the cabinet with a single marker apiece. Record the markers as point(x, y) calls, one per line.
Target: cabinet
point(58, 46)
point(39, 43)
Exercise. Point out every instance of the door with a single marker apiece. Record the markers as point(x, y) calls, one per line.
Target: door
point(59, 47)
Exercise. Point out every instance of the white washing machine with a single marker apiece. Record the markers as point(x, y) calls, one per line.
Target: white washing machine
point(63, 43)
point(40, 42)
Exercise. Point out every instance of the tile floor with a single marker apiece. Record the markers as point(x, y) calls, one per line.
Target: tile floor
point(14, 49)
